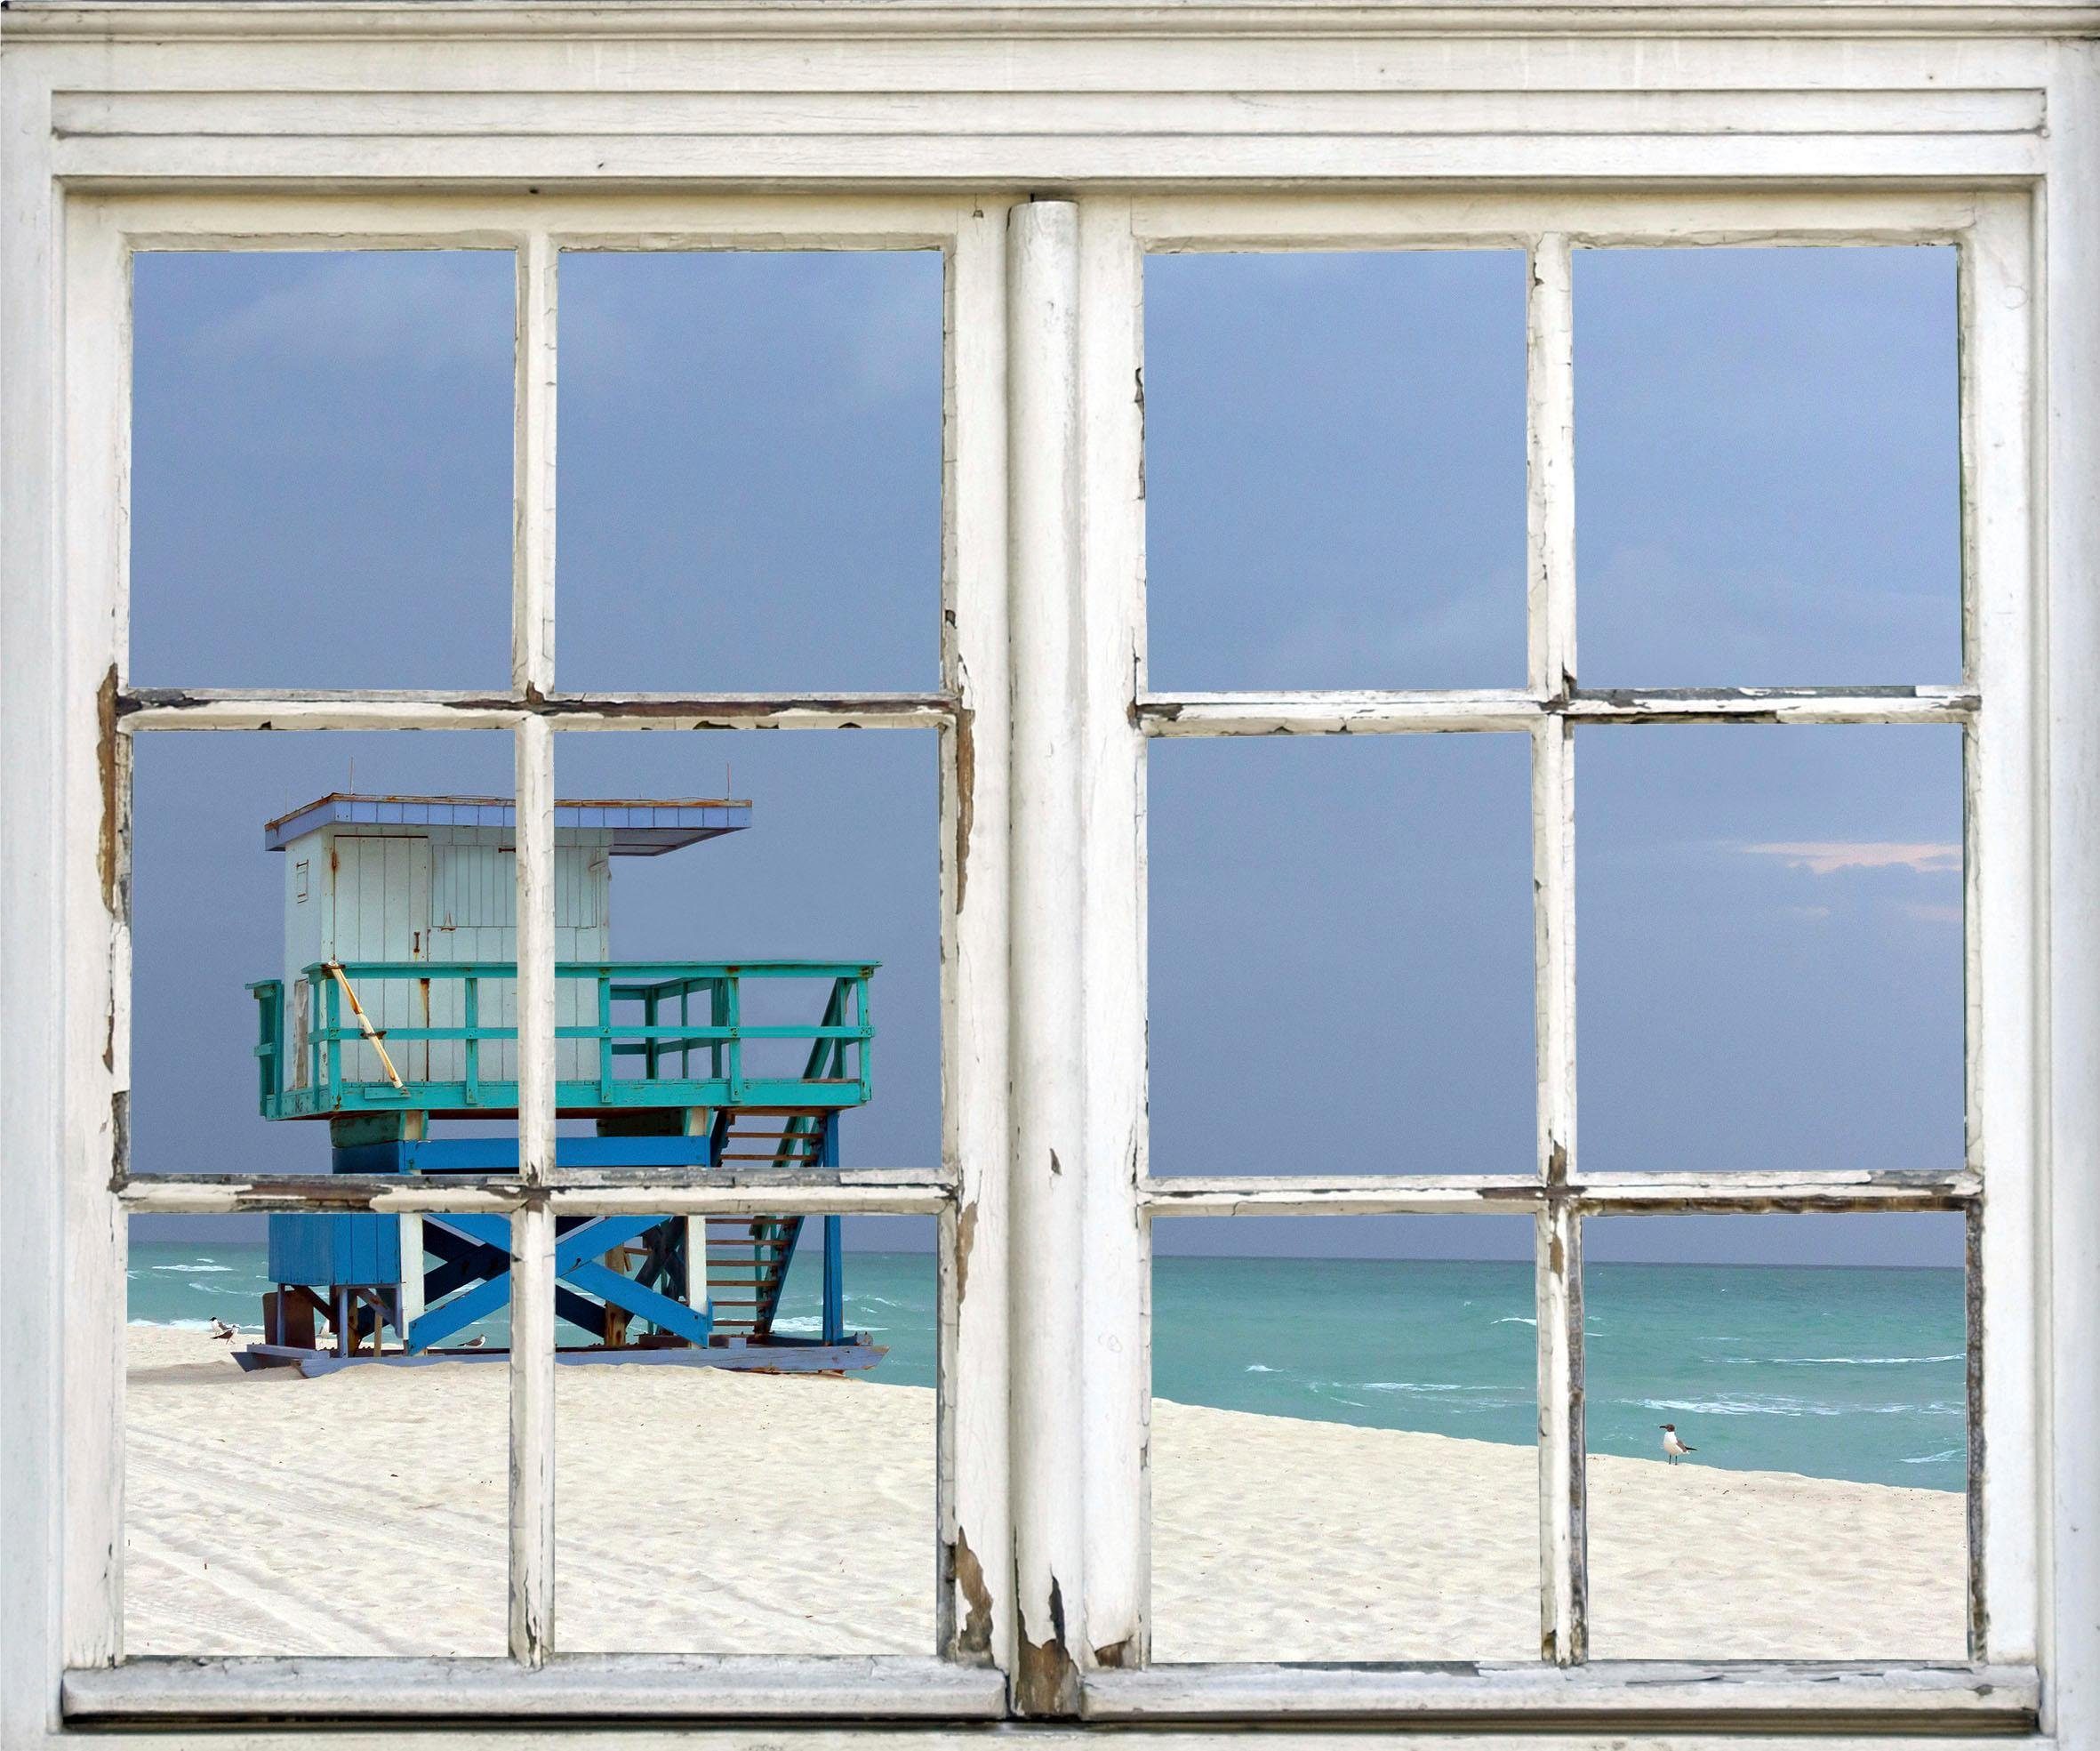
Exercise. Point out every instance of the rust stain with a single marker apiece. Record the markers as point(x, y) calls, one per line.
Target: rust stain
point(975, 1636)
point(965, 1236)
point(1116, 1655)
point(1557, 1161)
point(965, 806)
point(1046, 1681)
point(106, 756)
point(1557, 1256)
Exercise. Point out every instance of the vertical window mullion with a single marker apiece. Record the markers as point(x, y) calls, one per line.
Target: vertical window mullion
point(1551, 602)
point(1047, 994)
point(531, 1226)
point(975, 1614)
point(2002, 947)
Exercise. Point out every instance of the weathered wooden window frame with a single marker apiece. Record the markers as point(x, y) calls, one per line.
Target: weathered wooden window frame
point(958, 1679)
point(1883, 121)
point(1989, 700)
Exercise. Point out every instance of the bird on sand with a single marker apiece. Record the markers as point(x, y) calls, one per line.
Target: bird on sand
point(1673, 1448)
point(222, 1332)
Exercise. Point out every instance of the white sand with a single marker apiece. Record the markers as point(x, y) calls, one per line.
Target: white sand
point(704, 1510)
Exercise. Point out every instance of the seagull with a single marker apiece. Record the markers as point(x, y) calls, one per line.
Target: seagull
point(222, 1332)
point(1671, 1446)
point(474, 1342)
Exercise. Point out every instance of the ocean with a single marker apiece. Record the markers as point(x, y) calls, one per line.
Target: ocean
point(1830, 1371)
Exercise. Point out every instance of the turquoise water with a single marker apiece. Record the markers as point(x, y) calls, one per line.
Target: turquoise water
point(1832, 1371)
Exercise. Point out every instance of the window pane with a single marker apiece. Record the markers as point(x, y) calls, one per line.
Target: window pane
point(827, 857)
point(361, 1512)
point(1770, 948)
point(222, 900)
point(1768, 467)
point(1341, 955)
point(771, 1492)
point(746, 1413)
point(1816, 1367)
point(321, 468)
point(267, 1511)
point(751, 470)
point(1334, 455)
point(1345, 1439)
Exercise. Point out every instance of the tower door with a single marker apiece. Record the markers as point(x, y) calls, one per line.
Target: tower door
point(382, 912)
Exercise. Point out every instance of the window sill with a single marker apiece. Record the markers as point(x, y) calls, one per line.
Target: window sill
point(1648, 1695)
point(571, 1687)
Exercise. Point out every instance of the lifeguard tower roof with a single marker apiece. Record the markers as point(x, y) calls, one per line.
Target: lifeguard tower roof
point(633, 826)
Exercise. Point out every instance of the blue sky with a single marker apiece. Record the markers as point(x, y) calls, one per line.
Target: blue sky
point(1768, 925)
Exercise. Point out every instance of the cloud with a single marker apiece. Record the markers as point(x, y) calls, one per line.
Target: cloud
point(427, 308)
point(1439, 635)
point(1667, 605)
point(828, 331)
point(1829, 856)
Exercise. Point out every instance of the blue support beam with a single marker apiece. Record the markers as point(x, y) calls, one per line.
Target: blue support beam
point(834, 1281)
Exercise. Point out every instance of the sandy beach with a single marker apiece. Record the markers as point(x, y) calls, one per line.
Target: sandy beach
point(700, 1510)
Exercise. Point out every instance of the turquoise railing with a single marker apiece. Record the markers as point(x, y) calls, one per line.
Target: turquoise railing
point(661, 1034)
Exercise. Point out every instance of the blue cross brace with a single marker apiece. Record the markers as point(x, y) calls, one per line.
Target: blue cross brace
point(576, 1263)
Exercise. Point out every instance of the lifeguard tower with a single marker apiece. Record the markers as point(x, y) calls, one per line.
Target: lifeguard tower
point(396, 1014)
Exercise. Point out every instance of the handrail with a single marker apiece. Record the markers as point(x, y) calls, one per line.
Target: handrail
point(663, 1041)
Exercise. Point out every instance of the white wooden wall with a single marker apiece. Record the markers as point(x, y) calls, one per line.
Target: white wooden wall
point(444, 894)
point(474, 917)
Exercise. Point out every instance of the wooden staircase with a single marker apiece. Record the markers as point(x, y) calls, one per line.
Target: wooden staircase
point(747, 1256)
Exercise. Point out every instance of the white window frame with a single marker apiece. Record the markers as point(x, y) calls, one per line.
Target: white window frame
point(1881, 122)
point(959, 1678)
